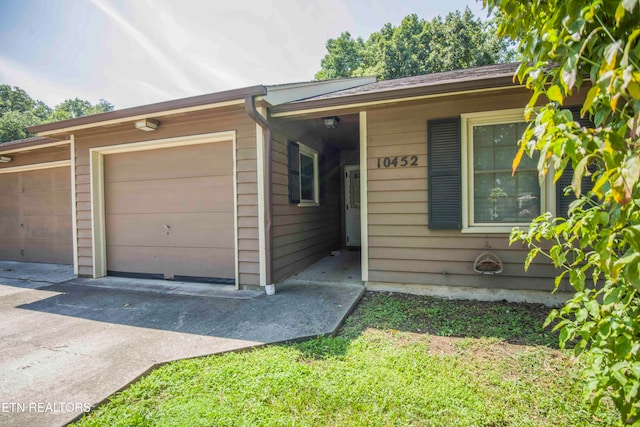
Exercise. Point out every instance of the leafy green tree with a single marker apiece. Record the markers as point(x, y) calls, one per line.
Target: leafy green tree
point(591, 49)
point(343, 59)
point(72, 108)
point(417, 46)
point(13, 125)
point(14, 99)
point(19, 111)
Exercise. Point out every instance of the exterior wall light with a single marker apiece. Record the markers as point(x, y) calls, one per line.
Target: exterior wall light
point(147, 124)
point(5, 159)
point(331, 122)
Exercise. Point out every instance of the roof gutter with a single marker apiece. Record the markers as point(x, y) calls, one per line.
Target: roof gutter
point(250, 108)
point(194, 103)
point(31, 144)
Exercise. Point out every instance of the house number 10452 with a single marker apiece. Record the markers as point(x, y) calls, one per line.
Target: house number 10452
point(397, 161)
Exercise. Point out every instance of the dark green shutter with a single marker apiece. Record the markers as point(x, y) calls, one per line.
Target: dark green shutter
point(293, 151)
point(445, 191)
point(563, 201)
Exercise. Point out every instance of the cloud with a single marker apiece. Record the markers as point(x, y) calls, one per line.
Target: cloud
point(166, 63)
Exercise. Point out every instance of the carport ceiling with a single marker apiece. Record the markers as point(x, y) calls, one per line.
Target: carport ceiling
point(344, 137)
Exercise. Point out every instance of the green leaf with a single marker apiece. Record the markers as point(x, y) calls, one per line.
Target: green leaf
point(563, 337)
point(611, 53)
point(612, 297)
point(593, 308)
point(555, 94)
point(530, 256)
point(588, 101)
point(623, 346)
point(620, 11)
point(632, 274)
point(632, 235)
point(578, 172)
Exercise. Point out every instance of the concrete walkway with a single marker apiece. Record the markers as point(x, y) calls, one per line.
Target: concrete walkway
point(67, 344)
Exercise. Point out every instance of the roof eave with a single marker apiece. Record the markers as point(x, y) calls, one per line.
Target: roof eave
point(166, 106)
point(30, 143)
point(439, 88)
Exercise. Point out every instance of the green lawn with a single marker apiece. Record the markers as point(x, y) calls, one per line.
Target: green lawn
point(398, 361)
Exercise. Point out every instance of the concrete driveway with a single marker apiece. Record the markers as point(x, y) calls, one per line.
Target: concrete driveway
point(66, 344)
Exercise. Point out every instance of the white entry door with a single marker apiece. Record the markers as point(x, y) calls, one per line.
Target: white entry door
point(352, 205)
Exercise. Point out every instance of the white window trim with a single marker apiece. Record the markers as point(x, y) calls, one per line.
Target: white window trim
point(309, 152)
point(547, 191)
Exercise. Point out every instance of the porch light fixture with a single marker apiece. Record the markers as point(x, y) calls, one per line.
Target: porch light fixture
point(147, 124)
point(331, 122)
point(5, 159)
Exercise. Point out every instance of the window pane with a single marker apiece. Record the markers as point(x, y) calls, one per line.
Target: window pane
point(307, 188)
point(482, 203)
point(504, 157)
point(528, 163)
point(528, 196)
point(499, 196)
point(505, 134)
point(483, 158)
point(482, 136)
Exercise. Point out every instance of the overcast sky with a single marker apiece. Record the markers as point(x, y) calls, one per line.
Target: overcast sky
point(136, 52)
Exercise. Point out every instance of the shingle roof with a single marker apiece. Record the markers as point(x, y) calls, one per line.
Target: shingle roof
point(443, 82)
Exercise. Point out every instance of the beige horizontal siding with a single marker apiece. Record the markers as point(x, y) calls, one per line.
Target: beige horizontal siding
point(228, 119)
point(402, 249)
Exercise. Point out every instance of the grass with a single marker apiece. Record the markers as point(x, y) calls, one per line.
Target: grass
point(398, 360)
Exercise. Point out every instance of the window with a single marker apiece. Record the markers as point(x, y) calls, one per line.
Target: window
point(494, 200)
point(303, 175)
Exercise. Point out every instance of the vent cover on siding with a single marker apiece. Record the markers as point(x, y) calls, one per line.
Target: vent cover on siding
point(293, 151)
point(562, 201)
point(445, 192)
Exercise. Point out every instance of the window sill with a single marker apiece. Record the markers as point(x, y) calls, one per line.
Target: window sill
point(308, 204)
point(490, 229)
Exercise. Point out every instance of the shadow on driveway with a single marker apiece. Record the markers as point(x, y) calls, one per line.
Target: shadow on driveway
point(71, 345)
point(294, 312)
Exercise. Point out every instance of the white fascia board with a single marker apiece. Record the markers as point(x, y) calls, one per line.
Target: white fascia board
point(282, 94)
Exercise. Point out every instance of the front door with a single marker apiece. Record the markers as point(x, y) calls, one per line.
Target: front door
point(352, 205)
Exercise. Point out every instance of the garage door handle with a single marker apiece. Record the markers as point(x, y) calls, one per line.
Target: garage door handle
point(167, 227)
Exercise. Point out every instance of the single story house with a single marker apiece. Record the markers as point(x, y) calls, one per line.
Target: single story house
point(249, 186)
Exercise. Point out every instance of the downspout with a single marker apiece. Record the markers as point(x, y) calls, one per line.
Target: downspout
point(250, 108)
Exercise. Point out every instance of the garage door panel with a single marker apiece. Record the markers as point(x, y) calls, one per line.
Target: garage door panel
point(57, 202)
point(198, 230)
point(9, 251)
point(51, 251)
point(202, 194)
point(46, 180)
point(203, 160)
point(10, 204)
point(170, 211)
point(43, 203)
point(10, 183)
point(37, 203)
point(47, 227)
point(35, 216)
point(10, 227)
point(194, 262)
